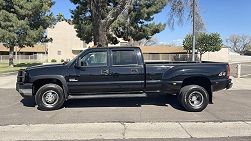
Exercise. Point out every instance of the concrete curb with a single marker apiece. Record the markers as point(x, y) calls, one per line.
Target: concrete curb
point(125, 130)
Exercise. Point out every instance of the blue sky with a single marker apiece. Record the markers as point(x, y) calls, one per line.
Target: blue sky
point(223, 16)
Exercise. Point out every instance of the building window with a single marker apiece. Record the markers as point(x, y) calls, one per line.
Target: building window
point(59, 52)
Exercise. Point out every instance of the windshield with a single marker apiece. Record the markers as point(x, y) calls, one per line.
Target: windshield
point(72, 60)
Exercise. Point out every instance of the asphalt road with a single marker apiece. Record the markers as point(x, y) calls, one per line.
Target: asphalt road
point(229, 105)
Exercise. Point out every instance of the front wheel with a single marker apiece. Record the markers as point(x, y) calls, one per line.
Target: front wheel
point(193, 98)
point(49, 97)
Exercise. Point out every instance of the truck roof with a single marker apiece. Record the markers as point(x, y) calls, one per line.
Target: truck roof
point(115, 47)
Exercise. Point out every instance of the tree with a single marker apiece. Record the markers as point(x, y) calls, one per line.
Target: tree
point(105, 20)
point(60, 17)
point(239, 43)
point(23, 23)
point(146, 42)
point(95, 20)
point(205, 43)
point(178, 10)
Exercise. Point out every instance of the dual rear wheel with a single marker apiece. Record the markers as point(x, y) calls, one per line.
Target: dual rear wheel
point(193, 98)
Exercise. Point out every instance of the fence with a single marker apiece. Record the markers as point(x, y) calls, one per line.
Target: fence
point(25, 58)
point(169, 57)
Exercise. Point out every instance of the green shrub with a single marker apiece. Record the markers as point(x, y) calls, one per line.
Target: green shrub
point(53, 60)
point(62, 60)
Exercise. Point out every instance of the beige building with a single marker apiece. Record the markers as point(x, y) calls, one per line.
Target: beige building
point(65, 44)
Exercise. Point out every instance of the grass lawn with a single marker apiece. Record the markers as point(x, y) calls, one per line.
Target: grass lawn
point(4, 67)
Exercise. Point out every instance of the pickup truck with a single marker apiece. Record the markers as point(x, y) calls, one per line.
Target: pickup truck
point(118, 72)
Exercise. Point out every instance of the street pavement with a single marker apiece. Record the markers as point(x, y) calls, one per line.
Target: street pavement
point(230, 107)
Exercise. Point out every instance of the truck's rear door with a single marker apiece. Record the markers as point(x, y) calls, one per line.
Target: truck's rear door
point(126, 70)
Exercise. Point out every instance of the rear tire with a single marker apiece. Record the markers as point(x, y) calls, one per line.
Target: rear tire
point(50, 97)
point(193, 98)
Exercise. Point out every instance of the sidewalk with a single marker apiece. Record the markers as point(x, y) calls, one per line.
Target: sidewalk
point(148, 130)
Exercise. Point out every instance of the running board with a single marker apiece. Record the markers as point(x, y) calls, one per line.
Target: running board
point(106, 96)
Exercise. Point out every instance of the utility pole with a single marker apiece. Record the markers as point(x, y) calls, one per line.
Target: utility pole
point(193, 51)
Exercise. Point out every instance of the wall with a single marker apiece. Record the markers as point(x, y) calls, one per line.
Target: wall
point(219, 56)
point(65, 44)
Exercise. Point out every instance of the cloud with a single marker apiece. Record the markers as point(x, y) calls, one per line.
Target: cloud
point(177, 42)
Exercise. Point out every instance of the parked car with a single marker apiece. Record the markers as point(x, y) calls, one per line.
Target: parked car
point(118, 72)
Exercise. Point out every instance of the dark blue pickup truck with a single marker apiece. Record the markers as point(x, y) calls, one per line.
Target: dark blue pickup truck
point(118, 72)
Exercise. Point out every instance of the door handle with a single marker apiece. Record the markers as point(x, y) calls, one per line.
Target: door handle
point(134, 70)
point(105, 72)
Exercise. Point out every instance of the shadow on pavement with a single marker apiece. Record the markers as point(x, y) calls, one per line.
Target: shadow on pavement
point(28, 102)
point(157, 100)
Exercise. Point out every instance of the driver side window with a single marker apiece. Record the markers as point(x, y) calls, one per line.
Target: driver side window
point(94, 59)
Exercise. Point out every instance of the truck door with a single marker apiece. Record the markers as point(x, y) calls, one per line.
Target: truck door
point(92, 75)
point(126, 70)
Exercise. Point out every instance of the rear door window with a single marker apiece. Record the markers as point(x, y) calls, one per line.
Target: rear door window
point(124, 57)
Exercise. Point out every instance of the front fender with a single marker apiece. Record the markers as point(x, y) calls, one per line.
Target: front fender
point(58, 77)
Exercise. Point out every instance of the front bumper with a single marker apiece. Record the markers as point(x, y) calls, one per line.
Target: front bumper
point(25, 89)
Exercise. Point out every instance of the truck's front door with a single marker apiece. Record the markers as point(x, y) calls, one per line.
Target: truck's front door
point(126, 70)
point(92, 73)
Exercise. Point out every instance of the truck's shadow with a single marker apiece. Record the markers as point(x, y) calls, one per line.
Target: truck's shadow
point(28, 102)
point(157, 100)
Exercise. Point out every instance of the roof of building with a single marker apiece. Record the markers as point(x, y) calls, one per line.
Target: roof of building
point(39, 48)
point(162, 49)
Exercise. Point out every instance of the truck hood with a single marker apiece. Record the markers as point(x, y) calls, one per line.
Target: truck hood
point(45, 66)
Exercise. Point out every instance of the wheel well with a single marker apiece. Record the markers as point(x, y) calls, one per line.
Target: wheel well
point(201, 81)
point(41, 82)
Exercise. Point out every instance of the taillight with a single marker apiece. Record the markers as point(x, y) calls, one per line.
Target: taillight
point(228, 71)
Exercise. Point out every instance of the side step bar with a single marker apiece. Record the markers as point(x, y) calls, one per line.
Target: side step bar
point(106, 96)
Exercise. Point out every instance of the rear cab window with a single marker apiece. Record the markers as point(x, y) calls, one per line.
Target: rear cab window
point(124, 58)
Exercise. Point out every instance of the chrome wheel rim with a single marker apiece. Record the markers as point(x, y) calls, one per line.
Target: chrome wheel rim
point(50, 98)
point(196, 99)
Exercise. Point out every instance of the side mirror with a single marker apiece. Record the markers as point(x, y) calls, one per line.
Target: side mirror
point(80, 63)
point(77, 63)
point(65, 62)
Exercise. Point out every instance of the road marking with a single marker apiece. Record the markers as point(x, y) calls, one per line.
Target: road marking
point(83, 131)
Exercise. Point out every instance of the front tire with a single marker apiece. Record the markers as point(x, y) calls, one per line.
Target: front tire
point(50, 97)
point(193, 98)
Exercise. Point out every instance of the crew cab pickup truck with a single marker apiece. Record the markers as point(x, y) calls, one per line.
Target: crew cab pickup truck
point(117, 72)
